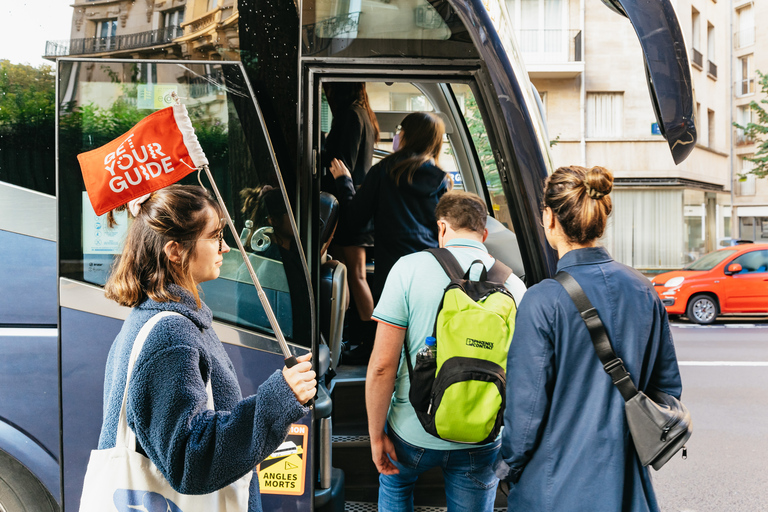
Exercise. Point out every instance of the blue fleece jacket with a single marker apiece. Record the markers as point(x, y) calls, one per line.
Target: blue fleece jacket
point(197, 450)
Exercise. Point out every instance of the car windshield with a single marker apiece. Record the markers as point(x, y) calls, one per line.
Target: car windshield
point(710, 261)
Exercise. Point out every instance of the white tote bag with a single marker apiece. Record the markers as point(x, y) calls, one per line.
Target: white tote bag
point(121, 480)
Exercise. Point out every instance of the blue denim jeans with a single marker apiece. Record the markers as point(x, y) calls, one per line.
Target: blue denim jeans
point(470, 483)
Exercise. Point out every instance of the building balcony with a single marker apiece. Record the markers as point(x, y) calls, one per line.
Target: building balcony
point(697, 59)
point(712, 69)
point(89, 45)
point(744, 87)
point(744, 38)
point(556, 53)
point(741, 139)
point(316, 37)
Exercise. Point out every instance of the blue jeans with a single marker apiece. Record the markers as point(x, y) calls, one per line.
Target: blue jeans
point(470, 483)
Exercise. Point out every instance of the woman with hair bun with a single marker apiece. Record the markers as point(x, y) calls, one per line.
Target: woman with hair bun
point(566, 445)
point(176, 242)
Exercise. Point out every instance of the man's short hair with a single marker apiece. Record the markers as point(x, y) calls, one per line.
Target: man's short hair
point(462, 210)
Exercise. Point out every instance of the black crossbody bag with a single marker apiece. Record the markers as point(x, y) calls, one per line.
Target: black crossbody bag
point(659, 423)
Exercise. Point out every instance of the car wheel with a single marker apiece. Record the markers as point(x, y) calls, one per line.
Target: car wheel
point(702, 309)
point(20, 491)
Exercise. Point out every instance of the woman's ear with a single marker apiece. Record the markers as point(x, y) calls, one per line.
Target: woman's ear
point(172, 251)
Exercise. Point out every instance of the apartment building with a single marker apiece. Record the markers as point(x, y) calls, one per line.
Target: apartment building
point(588, 67)
point(750, 53)
point(151, 29)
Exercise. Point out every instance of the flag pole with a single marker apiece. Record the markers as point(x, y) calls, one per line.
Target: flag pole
point(290, 359)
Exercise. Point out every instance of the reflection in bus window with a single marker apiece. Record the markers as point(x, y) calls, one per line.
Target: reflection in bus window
point(106, 100)
point(375, 28)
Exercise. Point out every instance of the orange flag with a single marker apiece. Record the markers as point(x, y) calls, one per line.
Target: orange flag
point(160, 150)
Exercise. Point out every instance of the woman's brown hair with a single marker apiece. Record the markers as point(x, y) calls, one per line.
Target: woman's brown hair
point(342, 95)
point(423, 140)
point(579, 199)
point(177, 213)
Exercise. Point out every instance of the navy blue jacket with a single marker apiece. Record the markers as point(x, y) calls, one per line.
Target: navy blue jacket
point(566, 437)
point(197, 450)
point(403, 216)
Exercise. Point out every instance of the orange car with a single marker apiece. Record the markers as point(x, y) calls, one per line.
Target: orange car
point(731, 280)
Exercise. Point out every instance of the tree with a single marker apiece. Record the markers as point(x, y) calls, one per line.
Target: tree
point(27, 129)
point(757, 131)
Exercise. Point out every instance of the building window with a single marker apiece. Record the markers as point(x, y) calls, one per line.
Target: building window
point(212, 4)
point(172, 21)
point(542, 29)
point(745, 80)
point(106, 30)
point(605, 114)
point(711, 67)
point(745, 35)
point(743, 118)
point(747, 184)
point(711, 128)
point(696, 38)
point(408, 102)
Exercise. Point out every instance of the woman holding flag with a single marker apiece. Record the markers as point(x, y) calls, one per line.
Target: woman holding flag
point(177, 433)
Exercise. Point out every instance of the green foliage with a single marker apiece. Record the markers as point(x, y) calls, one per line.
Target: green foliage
point(27, 97)
point(482, 144)
point(757, 131)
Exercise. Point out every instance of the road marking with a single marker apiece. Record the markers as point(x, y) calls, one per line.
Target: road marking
point(734, 326)
point(37, 333)
point(723, 363)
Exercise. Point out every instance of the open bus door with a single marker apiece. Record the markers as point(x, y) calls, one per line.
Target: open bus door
point(99, 100)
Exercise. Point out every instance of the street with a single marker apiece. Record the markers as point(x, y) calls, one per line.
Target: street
point(725, 386)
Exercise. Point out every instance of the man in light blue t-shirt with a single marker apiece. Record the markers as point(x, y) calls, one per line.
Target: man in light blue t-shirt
point(400, 446)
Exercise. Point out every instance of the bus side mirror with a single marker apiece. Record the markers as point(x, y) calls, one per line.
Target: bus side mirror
point(733, 268)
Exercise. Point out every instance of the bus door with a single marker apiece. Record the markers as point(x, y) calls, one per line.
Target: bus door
point(99, 100)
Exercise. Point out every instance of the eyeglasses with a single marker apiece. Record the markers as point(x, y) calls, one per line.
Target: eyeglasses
point(219, 238)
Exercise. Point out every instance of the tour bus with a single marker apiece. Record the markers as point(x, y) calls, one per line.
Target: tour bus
point(260, 121)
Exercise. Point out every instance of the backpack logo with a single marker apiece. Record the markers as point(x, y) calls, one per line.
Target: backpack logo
point(487, 345)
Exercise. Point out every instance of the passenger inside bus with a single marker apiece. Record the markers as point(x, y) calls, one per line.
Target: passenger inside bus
point(400, 194)
point(352, 136)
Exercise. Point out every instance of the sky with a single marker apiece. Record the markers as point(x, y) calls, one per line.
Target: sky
point(25, 26)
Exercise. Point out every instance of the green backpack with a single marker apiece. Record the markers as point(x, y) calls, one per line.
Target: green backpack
point(460, 395)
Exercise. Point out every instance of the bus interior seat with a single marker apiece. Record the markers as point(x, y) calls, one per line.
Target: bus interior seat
point(333, 293)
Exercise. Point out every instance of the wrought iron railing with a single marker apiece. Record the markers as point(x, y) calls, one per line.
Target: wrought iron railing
point(317, 36)
point(109, 44)
point(711, 69)
point(551, 45)
point(697, 58)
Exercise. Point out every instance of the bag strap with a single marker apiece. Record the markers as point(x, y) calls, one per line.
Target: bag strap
point(612, 364)
point(449, 262)
point(125, 436)
point(499, 272)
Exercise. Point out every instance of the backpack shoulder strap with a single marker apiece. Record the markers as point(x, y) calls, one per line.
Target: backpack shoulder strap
point(499, 272)
point(612, 364)
point(449, 263)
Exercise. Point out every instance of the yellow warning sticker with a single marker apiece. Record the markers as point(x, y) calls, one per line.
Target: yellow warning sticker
point(283, 471)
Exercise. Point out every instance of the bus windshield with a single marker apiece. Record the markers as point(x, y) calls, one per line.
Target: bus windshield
point(711, 260)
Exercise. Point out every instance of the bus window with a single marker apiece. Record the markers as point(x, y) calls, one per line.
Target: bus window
point(111, 97)
point(355, 28)
point(502, 240)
